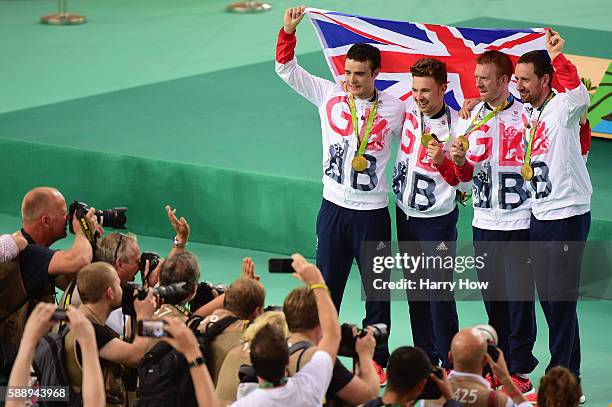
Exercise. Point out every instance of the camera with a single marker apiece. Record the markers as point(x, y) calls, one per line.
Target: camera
point(204, 294)
point(431, 391)
point(59, 315)
point(153, 258)
point(114, 218)
point(490, 335)
point(348, 340)
point(172, 294)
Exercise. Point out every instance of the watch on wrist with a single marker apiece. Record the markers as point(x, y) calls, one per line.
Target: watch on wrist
point(177, 244)
point(197, 362)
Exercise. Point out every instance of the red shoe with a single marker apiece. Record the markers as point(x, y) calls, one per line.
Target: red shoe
point(522, 385)
point(532, 398)
point(382, 376)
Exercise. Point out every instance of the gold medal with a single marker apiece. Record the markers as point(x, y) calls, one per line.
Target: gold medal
point(527, 172)
point(426, 138)
point(359, 163)
point(463, 142)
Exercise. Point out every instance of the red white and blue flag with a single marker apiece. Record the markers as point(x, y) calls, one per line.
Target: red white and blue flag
point(403, 43)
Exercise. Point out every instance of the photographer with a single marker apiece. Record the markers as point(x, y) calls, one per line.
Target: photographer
point(179, 268)
point(469, 355)
point(300, 310)
point(31, 277)
point(270, 353)
point(38, 324)
point(248, 271)
point(100, 291)
point(123, 253)
point(243, 301)
point(228, 383)
point(183, 340)
point(11, 245)
point(408, 371)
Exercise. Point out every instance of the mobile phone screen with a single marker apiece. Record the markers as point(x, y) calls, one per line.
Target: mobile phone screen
point(151, 328)
point(280, 266)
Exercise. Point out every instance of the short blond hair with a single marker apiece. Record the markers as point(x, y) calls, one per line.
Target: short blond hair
point(93, 280)
point(276, 318)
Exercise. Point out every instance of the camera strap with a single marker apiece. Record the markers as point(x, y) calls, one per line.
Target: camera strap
point(68, 298)
point(182, 310)
point(296, 347)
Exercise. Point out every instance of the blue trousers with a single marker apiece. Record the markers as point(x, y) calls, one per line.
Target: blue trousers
point(511, 312)
point(557, 265)
point(341, 233)
point(433, 319)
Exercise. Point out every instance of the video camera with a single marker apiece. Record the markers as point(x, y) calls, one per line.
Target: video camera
point(172, 294)
point(348, 340)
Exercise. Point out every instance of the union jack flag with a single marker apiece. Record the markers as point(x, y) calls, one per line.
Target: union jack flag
point(403, 43)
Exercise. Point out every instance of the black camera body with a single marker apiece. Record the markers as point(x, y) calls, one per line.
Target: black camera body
point(348, 340)
point(204, 294)
point(273, 308)
point(114, 218)
point(172, 294)
point(154, 260)
point(493, 351)
point(431, 391)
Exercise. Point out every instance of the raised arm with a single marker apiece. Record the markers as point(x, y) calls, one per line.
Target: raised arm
point(79, 254)
point(93, 384)
point(38, 325)
point(566, 74)
point(183, 340)
point(313, 88)
point(328, 316)
point(182, 230)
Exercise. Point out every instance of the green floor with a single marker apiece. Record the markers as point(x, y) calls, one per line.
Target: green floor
point(154, 102)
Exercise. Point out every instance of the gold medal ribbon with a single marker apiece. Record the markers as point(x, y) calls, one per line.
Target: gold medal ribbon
point(368, 128)
point(425, 139)
point(527, 160)
point(475, 126)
